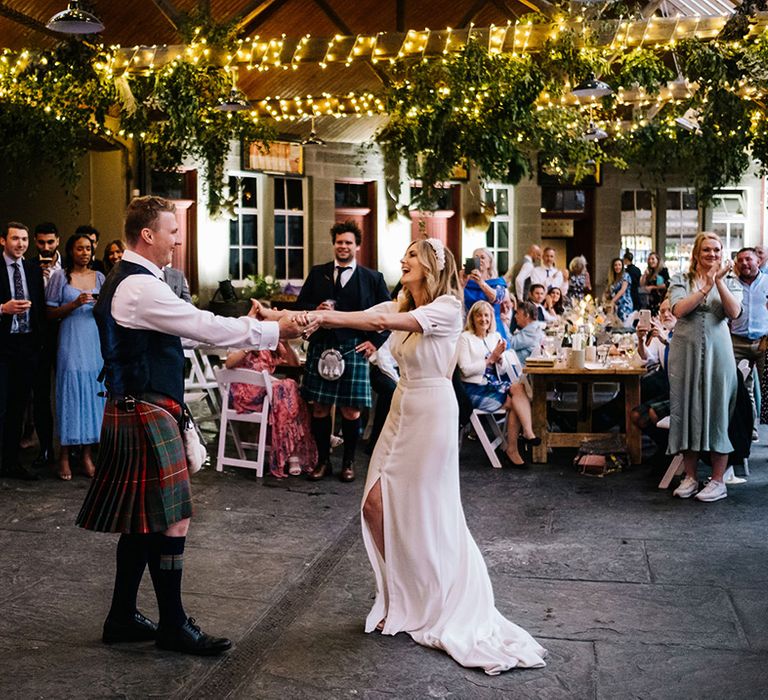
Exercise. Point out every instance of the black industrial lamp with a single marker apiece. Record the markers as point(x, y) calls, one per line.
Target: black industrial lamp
point(75, 20)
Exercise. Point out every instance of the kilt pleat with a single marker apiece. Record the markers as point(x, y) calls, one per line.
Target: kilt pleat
point(142, 482)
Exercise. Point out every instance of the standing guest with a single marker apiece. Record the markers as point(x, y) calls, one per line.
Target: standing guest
point(522, 278)
point(92, 233)
point(655, 282)
point(22, 309)
point(485, 284)
point(702, 369)
point(289, 425)
point(617, 292)
point(349, 287)
point(113, 253)
point(384, 378)
point(431, 580)
point(480, 348)
point(176, 280)
point(579, 282)
point(553, 302)
point(762, 257)
point(750, 330)
point(49, 260)
point(141, 488)
point(70, 296)
point(634, 277)
point(548, 275)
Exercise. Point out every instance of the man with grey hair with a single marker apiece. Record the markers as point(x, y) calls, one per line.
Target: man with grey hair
point(522, 279)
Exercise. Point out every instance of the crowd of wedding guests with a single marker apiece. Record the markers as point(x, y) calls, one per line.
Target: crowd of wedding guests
point(47, 319)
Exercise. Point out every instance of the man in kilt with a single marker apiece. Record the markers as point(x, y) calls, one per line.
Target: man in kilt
point(141, 487)
point(346, 286)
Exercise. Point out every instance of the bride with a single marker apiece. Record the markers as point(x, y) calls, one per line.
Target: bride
point(431, 579)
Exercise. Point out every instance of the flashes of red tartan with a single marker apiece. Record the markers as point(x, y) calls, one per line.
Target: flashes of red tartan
point(142, 482)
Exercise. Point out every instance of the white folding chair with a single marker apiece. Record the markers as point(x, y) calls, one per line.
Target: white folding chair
point(200, 383)
point(675, 467)
point(495, 437)
point(229, 417)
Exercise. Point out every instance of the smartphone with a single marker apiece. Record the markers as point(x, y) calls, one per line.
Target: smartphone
point(470, 264)
point(644, 320)
point(95, 295)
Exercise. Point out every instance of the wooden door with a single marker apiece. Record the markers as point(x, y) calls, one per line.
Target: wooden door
point(185, 254)
point(443, 224)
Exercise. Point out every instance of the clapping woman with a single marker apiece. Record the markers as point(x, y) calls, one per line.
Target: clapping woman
point(480, 348)
point(702, 368)
point(70, 295)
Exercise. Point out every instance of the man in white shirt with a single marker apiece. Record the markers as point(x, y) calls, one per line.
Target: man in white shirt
point(548, 275)
point(141, 487)
point(523, 277)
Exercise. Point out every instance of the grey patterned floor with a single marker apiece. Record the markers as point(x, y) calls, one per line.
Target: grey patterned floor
point(635, 594)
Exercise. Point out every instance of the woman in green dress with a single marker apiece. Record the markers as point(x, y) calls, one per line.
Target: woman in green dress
point(702, 369)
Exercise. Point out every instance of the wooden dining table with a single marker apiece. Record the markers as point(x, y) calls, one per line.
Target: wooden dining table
point(540, 377)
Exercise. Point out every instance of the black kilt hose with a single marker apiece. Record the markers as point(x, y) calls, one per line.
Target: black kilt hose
point(142, 481)
point(352, 389)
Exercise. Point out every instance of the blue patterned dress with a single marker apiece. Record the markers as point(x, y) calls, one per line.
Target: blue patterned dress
point(624, 305)
point(473, 293)
point(79, 408)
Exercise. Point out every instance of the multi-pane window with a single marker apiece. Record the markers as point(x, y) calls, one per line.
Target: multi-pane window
point(243, 229)
point(637, 223)
point(289, 228)
point(498, 197)
point(729, 219)
point(682, 227)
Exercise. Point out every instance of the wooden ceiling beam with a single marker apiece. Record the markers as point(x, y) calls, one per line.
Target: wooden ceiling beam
point(169, 11)
point(256, 14)
point(330, 13)
point(400, 15)
point(471, 13)
point(27, 21)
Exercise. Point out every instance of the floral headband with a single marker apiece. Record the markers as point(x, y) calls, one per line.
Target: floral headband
point(439, 250)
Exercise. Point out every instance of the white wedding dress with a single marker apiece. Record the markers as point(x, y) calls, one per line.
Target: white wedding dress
point(433, 582)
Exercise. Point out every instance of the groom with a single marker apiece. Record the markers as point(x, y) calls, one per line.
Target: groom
point(346, 286)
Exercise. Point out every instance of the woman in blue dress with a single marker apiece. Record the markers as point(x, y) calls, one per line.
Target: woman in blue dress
point(70, 295)
point(618, 289)
point(484, 284)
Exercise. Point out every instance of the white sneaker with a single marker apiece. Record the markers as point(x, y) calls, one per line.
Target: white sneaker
point(687, 488)
point(713, 491)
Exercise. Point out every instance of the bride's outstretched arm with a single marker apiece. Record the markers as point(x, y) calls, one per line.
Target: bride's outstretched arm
point(366, 320)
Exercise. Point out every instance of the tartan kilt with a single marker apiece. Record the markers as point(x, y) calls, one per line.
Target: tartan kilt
point(142, 482)
point(352, 389)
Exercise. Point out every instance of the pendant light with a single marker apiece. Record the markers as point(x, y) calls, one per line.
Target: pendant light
point(235, 101)
point(75, 20)
point(592, 88)
point(313, 139)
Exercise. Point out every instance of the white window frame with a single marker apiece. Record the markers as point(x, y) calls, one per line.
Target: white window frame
point(723, 218)
point(685, 242)
point(303, 213)
point(259, 212)
point(498, 218)
point(633, 237)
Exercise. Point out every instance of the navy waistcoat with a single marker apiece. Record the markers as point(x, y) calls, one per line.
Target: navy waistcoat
point(136, 361)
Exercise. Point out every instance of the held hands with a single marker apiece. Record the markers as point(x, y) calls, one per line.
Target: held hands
point(263, 313)
point(293, 325)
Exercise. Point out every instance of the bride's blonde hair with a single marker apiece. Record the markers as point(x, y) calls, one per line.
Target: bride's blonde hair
point(436, 282)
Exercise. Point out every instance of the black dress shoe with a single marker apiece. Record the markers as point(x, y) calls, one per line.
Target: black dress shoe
point(19, 472)
point(322, 470)
point(136, 628)
point(347, 472)
point(190, 639)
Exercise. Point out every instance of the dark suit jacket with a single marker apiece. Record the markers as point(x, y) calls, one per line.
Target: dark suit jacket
point(36, 295)
point(369, 289)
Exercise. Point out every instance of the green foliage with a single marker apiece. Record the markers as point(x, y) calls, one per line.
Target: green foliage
point(260, 287)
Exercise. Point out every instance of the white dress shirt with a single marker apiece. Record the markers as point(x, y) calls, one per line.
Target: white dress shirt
point(549, 277)
point(525, 272)
point(144, 302)
point(345, 275)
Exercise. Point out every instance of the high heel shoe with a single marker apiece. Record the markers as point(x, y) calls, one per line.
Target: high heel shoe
point(532, 442)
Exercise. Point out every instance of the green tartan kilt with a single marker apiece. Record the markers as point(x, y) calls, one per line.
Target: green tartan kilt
point(352, 389)
point(142, 482)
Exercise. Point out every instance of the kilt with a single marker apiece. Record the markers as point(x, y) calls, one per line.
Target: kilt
point(142, 482)
point(352, 389)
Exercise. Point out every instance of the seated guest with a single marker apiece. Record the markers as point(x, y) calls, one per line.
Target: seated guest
point(529, 334)
point(553, 301)
point(289, 426)
point(70, 295)
point(113, 254)
point(480, 348)
point(484, 284)
point(537, 295)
